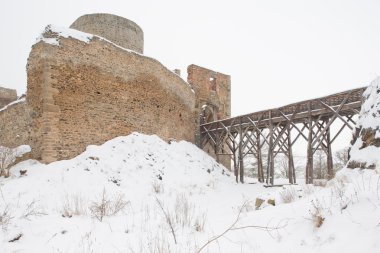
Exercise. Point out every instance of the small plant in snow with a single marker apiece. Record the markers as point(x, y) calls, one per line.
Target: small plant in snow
point(32, 209)
point(5, 217)
point(288, 194)
point(168, 218)
point(157, 186)
point(74, 205)
point(316, 213)
point(7, 157)
point(107, 206)
point(184, 211)
point(200, 222)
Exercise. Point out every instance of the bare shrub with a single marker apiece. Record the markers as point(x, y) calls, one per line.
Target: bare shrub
point(156, 243)
point(7, 157)
point(74, 205)
point(5, 217)
point(234, 226)
point(168, 218)
point(118, 204)
point(32, 209)
point(288, 194)
point(308, 189)
point(157, 186)
point(183, 211)
point(316, 213)
point(200, 222)
point(108, 206)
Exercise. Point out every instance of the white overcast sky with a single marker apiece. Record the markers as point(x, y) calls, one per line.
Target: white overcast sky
point(276, 51)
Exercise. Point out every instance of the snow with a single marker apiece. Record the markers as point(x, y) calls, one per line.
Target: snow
point(63, 32)
point(21, 100)
point(369, 117)
point(370, 114)
point(193, 189)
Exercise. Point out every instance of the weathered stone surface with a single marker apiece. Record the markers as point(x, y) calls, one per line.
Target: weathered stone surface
point(7, 96)
point(259, 202)
point(119, 30)
point(212, 101)
point(81, 94)
point(211, 88)
point(16, 126)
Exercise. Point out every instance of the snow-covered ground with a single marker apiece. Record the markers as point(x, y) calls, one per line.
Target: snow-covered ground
point(175, 198)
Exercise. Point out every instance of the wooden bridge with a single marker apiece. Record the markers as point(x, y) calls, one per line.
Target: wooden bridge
point(279, 129)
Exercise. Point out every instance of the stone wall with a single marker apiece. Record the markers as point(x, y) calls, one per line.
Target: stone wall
point(16, 126)
point(119, 30)
point(212, 101)
point(211, 88)
point(88, 93)
point(84, 92)
point(7, 96)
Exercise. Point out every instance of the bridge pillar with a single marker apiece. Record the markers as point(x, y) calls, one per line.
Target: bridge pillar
point(260, 170)
point(330, 165)
point(309, 164)
point(270, 168)
point(291, 173)
point(241, 156)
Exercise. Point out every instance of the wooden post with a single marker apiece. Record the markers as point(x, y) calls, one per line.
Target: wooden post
point(235, 165)
point(330, 165)
point(241, 162)
point(216, 148)
point(260, 171)
point(270, 168)
point(292, 176)
point(309, 165)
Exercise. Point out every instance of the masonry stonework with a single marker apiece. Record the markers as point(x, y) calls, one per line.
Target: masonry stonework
point(94, 92)
point(212, 101)
point(84, 93)
point(7, 96)
point(212, 89)
point(119, 30)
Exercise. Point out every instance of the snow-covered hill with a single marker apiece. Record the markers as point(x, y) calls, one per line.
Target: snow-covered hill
point(161, 197)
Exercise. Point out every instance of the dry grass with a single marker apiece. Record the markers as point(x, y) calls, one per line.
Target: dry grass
point(74, 205)
point(5, 217)
point(288, 194)
point(157, 186)
point(32, 209)
point(108, 206)
point(316, 213)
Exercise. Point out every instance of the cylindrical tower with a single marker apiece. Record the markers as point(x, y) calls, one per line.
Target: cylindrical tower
point(118, 30)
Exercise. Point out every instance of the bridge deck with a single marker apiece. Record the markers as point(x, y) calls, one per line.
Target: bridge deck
point(318, 107)
point(279, 129)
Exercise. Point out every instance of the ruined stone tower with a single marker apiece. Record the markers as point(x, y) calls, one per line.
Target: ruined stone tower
point(212, 101)
point(92, 84)
point(213, 92)
point(119, 30)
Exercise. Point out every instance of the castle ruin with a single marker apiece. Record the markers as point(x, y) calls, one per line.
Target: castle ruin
point(84, 92)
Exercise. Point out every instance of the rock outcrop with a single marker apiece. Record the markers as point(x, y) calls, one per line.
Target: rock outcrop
point(365, 150)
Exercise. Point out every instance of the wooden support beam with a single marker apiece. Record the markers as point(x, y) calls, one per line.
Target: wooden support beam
point(291, 172)
point(236, 172)
point(241, 157)
point(260, 170)
point(270, 168)
point(309, 163)
point(330, 165)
